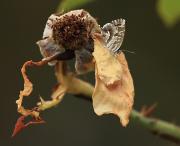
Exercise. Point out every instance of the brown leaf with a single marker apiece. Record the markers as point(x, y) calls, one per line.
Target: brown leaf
point(20, 125)
point(114, 90)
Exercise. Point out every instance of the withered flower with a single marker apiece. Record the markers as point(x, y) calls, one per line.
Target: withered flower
point(77, 34)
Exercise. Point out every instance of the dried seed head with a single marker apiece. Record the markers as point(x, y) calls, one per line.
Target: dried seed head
point(74, 29)
point(64, 34)
point(71, 31)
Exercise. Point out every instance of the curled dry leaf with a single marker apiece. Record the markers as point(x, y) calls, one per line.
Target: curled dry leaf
point(28, 86)
point(114, 90)
point(20, 125)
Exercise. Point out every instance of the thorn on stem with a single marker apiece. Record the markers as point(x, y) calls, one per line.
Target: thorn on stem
point(148, 110)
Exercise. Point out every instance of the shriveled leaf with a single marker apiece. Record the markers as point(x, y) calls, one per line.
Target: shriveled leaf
point(169, 11)
point(20, 125)
point(116, 97)
point(71, 4)
point(28, 86)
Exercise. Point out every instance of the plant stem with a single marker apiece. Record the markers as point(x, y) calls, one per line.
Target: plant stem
point(158, 127)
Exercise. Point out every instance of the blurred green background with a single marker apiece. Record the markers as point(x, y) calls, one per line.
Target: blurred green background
point(155, 68)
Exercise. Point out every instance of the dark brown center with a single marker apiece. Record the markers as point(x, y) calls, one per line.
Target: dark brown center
point(71, 32)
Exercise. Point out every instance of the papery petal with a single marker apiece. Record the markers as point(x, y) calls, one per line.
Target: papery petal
point(48, 32)
point(83, 62)
point(114, 90)
point(109, 68)
point(48, 47)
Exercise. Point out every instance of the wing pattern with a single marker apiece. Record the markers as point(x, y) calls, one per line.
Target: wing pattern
point(113, 34)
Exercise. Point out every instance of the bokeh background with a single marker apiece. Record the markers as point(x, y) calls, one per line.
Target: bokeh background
point(155, 67)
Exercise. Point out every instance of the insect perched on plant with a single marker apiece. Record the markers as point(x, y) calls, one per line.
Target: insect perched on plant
point(78, 35)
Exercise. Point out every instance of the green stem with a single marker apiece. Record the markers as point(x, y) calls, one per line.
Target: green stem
point(158, 127)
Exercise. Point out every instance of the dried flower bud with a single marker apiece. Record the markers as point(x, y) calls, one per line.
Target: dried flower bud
point(70, 31)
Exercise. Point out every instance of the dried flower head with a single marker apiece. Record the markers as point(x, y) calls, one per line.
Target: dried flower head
point(71, 31)
point(77, 34)
point(68, 32)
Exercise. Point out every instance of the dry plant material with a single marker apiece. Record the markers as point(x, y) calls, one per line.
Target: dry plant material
point(78, 35)
point(28, 88)
point(20, 125)
point(114, 90)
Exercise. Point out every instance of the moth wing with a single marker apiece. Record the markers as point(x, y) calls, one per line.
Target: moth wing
point(113, 34)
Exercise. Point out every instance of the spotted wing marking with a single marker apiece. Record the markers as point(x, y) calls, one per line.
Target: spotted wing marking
point(113, 34)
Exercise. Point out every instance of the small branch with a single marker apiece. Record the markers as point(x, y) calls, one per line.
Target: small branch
point(158, 127)
point(84, 90)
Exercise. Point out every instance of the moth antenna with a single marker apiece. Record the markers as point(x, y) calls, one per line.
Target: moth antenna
point(132, 52)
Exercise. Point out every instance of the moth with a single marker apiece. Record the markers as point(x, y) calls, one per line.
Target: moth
point(71, 36)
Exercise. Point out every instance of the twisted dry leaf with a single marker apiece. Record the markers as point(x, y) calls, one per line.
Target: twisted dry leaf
point(28, 88)
point(20, 125)
point(114, 90)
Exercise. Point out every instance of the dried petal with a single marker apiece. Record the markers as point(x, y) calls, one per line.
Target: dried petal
point(109, 68)
point(114, 90)
point(84, 61)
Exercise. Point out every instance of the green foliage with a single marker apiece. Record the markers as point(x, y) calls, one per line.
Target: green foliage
point(169, 11)
point(71, 4)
